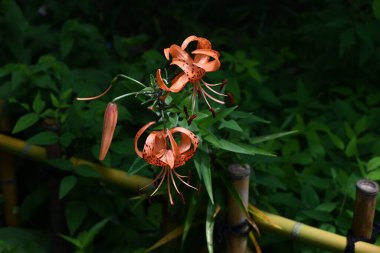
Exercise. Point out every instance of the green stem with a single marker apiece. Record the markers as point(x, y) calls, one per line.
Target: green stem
point(125, 95)
point(129, 78)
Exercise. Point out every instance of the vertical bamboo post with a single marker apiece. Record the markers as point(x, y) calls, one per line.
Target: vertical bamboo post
point(240, 179)
point(58, 221)
point(365, 204)
point(7, 174)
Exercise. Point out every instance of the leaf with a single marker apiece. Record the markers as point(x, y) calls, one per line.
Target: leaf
point(73, 241)
point(271, 137)
point(90, 235)
point(67, 184)
point(137, 165)
point(175, 233)
point(351, 147)
point(203, 166)
point(43, 138)
point(235, 147)
point(376, 8)
point(210, 227)
point(374, 175)
point(373, 164)
point(38, 103)
point(192, 209)
point(25, 122)
point(231, 124)
point(66, 44)
point(75, 211)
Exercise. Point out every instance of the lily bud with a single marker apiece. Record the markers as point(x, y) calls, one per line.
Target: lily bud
point(109, 125)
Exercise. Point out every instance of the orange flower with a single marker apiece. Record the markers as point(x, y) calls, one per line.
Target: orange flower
point(157, 152)
point(109, 125)
point(194, 69)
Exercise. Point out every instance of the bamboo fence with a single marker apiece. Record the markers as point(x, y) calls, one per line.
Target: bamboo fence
point(283, 226)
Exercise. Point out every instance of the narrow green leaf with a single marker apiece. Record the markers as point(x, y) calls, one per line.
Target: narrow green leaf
point(137, 165)
point(192, 210)
point(43, 138)
point(75, 211)
point(203, 166)
point(73, 241)
point(210, 227)
point(25, 122)
point(66, 44)
point(231, 124)
point(270, 137)
point(67, 184)
point(90, 235)
point(235, 147)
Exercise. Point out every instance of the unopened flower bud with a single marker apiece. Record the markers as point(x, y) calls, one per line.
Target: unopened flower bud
point(109, 125)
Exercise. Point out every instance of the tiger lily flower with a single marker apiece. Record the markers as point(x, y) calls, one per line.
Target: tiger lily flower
point(194, 69)
point(109, 125)
point(156, 151)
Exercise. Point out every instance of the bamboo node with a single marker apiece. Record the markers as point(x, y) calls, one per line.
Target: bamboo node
point(367, 187)
point(239, 171)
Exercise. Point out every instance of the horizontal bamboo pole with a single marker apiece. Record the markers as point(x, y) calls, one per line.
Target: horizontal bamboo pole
point(310, 235)
point(118, 177)
point(286, 227)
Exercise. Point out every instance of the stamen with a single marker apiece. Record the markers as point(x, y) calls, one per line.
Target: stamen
point(184, 181)
point(191, 119)
point(223, 84)
point(216, 100)
point(212, 111)
point(231, 98)
point(175, 186)
point(154, 180)
point(168, 184)
point(208, 87)
point(162, 180)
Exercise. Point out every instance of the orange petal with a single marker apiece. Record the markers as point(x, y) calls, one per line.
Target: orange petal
point(202, 42)
point(185, 155)
point(138, 135)
point(109, 125)
point(202, 59)
point(193, 72)
point(168, 158)
point(176, 52)
point(178, 82)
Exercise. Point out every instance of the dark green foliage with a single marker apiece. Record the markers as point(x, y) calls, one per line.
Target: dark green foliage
point(305, 77)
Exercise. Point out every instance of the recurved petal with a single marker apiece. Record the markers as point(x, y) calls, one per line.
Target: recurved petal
point(192, 71)
point(178, 83)
point(210, 66)
point(176, 52)
point(202, 42)
point(138, 135)
point(190, 135)
point(109, 125)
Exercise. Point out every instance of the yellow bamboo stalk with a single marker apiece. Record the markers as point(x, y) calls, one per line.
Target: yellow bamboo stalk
point(272, 223)
point(310, 235)
point(118, 177)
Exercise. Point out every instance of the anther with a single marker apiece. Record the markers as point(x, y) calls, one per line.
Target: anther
point(212, 111)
